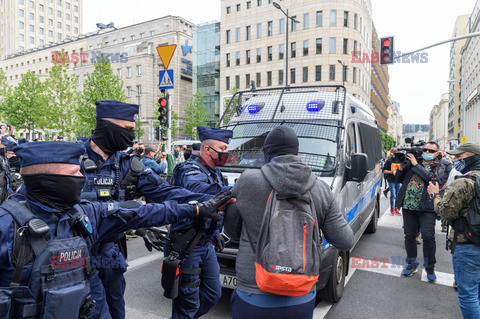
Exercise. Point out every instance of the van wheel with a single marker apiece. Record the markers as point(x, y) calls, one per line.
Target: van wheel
point(333, 291)
point(372, 226)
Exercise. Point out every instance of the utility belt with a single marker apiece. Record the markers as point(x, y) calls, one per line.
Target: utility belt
point(451, 244)
point(180, 245)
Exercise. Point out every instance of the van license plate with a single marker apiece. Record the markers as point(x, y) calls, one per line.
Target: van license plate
point(228, 281)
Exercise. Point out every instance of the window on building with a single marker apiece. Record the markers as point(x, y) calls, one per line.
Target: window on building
point(249, 5)
point(259, 30)
point(344, 74)
point(68, 5)
point(227, 59)
point(292, 76)
point(50, 10)
point(59, 36)
point(50, 22)
point(293, 49)
point(32, 16)
point(152, 33)
point(269, 28)
point(355, 21)
point(20, 48)
point(280, 77)
point(22, 38)
point(50, 33)
point(259, 55)
point(318, 73)
point(293, 24)
point(305, 74)
point(306, 20)
point(41, 19)
point(32, 40)
point(259, 80)
point(41, 43)
point(119, 72)
point(75, 8)
point(32, 4)
point(142, 35)
point(281, 26)
point(115, 41)
point(345, 19)
point(129, 71)
point(248, 32)
point(237, 81)
point(269, 78)
point(228, 36)
point(129, 91)
point(247, 80)
point(333, 18)
point(259, 3)
point(21, 13)
point(68, 27)
point(228, 10)
point(305, 47)
point(238, 9)
point(318, 45)
point(354, 80)
point(21, 2)
point(59, 25)
point(139, 70)
point(269, 53)
point(32, 28)
point(237, 35)
point(227, 82)
point(237, 59)
point(59, 14)
point(76, 30)
point(354, 45)
point(281, 51)
point(132, 37)
point(319, 19)
point(40, 7)
point(21, 25)
point(345, 46)
point(333, 45)
point(75, 19)
point(331, 76)
point(247, 54)
point(41, 30)
point(59, 2)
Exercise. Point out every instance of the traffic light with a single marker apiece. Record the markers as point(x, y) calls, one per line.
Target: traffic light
point(163, 111)
point(386, 50)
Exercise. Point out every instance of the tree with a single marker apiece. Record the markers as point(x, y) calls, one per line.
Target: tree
point(195, 115)
point(173, 114)
point(63, 99)
point(233, 108)
point(388, 142)
point(5, 89)
point(100, 85)
point(27, 107)
point(139, 131)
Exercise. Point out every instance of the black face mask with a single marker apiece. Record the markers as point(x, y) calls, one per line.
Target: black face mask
point(61, 192)
point(222, 158)
point(14, 161)
point(111, 137)
point(2, 151)
point(472, 163)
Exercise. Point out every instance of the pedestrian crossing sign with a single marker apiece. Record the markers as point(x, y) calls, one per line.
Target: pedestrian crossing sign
point(165, 78)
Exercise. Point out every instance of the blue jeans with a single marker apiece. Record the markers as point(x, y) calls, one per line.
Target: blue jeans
point(394, 188)
point(466, 266)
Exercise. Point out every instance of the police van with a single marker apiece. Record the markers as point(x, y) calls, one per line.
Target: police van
point(339, 140)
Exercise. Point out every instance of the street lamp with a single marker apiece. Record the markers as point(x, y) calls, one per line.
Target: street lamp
point(462, 88)
point(344, 71)
point(276, 5)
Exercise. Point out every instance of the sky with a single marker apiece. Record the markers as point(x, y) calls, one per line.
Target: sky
point(414, 23)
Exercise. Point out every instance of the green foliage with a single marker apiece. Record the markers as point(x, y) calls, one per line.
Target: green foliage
point(27, 107)
point(195, 115)
point(139, 131)
point(233, 108)
point(388, 142)
point(173, 121)
point(5, 90)
point(62, 99)
point(100, 85)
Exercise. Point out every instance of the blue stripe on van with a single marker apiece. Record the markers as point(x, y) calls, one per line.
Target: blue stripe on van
point(358, 207)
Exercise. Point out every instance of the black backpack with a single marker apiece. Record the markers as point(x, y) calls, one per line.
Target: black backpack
point(4, 172)
point(470, 224)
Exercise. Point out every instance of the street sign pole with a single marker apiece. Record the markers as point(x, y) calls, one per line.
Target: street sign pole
point(169, 106)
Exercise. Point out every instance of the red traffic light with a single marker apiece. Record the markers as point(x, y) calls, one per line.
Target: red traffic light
point(386, 42)
point(162, 101)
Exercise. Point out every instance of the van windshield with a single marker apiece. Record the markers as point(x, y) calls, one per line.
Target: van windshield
point(317, 148)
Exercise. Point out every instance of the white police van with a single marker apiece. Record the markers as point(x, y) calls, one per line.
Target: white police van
point(339, 140)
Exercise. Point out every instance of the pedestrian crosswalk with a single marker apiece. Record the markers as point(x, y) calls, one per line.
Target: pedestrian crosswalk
point(395, 221)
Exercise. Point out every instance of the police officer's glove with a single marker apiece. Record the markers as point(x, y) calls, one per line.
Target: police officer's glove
point(209, 208)
point(152, 237)
point(219, 242)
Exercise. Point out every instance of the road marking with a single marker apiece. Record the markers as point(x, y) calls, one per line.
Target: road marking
point(142, 261)
point(395, 221)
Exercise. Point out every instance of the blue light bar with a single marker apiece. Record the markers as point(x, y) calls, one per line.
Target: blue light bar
point(255, 108)
point(315, 106)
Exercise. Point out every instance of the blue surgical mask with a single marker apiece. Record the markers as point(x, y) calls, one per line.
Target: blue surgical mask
point(175, 153)
point(459, 164)
point(428, 156)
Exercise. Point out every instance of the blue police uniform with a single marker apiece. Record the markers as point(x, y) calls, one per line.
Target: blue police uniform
point(201, 288)
point(106, 219)
point(103, 185)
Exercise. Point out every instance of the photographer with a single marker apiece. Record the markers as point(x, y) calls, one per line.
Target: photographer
point(417, 205)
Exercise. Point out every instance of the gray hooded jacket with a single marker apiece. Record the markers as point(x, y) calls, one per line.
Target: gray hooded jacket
point(288, 175)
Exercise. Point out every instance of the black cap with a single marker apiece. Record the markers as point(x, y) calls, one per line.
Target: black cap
point(149, 149)
point(282, 140)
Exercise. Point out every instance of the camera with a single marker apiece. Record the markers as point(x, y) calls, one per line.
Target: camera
point(415, 148)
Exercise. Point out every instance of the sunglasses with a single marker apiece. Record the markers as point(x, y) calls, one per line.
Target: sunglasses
point(426, 150)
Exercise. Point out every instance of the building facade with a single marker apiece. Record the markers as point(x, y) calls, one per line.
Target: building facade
point(379, 95)
point(253, 44)
point(134, 58)
point(455, 93)
point(439, 123)
point(206, 67)
point(471, 79)
point(30, 24)
point(395, 121)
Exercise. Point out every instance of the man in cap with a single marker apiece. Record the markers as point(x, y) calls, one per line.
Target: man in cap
point(53, 185)
point(113, 175)
point(201, 288)
point(149, 161)
point(195, 150)
point(454, 206)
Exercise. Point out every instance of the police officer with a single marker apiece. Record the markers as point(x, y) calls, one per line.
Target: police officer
point(7, 144)
point(113, 175)
point(195, 150)
point(200, 283)
point(53, 184)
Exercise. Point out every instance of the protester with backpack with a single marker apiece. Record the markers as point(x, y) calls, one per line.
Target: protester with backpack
point(460, 205)
point(270, 256)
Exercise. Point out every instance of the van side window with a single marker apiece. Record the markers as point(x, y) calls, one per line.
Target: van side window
point(350, 144)
point(371, 144)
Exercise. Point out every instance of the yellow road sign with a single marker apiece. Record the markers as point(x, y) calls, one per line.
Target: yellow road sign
point(464, 140)
point(166, 52)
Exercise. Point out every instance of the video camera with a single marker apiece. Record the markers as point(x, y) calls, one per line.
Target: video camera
point(415, 148)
